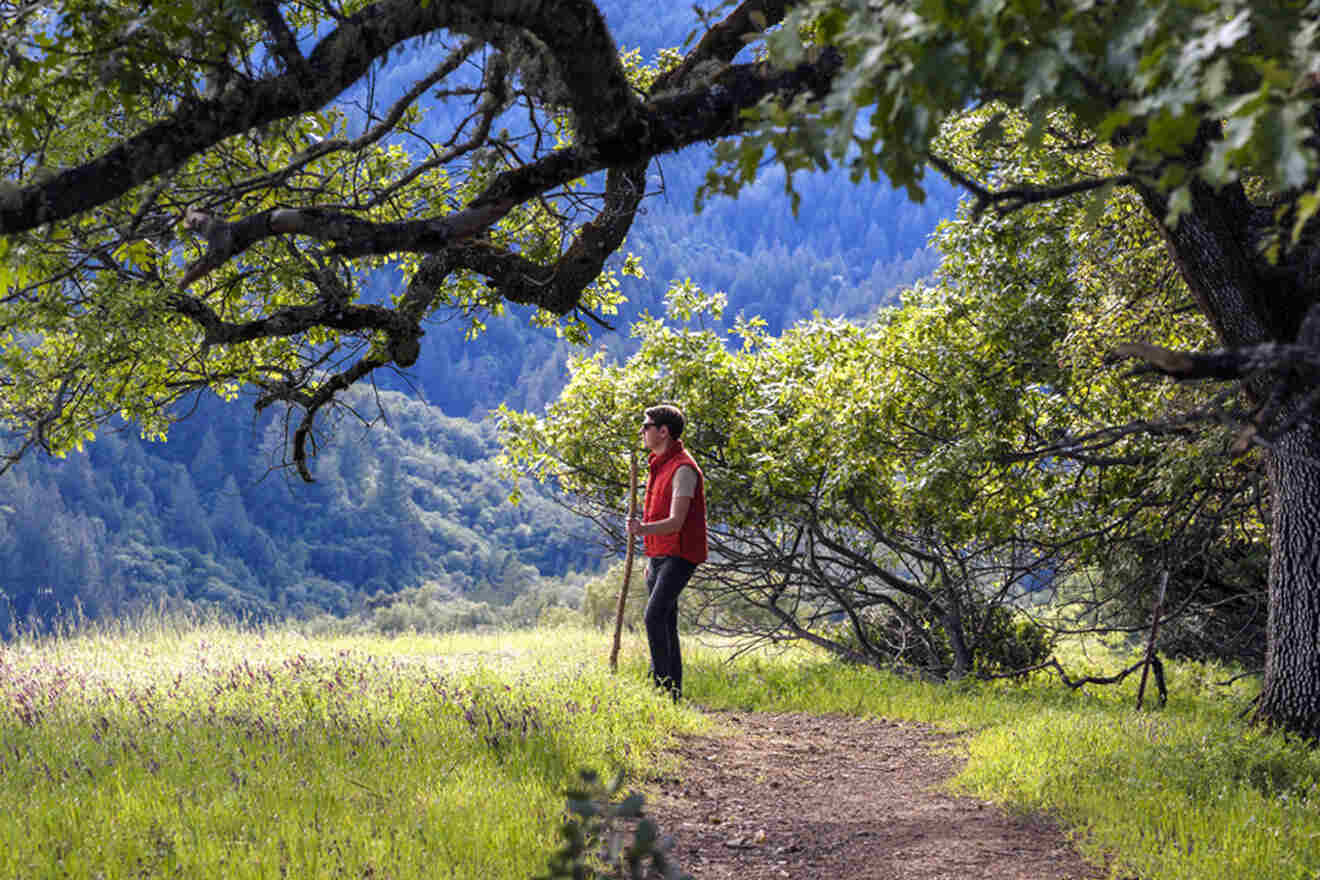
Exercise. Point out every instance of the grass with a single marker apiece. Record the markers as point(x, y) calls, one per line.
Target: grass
point(212, 752)
point(205, 751)
point(1187, 792)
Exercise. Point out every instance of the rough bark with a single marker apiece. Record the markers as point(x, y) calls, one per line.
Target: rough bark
point(1291, 696)
point(1211, 246)
point(1255, 303)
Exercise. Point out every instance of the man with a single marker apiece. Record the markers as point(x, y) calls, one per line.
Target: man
point(673, 530)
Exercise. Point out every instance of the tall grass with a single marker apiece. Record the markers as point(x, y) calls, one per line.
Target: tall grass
point(213, 752)
point(1187, 792)
point(209, 751)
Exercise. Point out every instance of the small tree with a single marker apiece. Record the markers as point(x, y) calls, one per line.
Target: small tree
point(897, 491)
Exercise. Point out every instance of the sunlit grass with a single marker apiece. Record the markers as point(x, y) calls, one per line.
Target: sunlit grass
point(1188, 791)
point(200, 750)
point(212, 752)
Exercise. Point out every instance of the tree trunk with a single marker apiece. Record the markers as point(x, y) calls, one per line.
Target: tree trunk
point(953, 628)
point(1290, 699)
point(1249, 300)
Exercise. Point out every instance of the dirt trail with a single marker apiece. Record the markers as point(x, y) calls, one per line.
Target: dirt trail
point(839, 798)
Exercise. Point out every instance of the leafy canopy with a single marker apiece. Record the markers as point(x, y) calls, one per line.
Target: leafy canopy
point(195, 193)
point(1144, 77)
point(960, 449)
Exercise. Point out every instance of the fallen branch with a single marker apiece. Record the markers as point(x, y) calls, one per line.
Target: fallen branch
point(1075, 683)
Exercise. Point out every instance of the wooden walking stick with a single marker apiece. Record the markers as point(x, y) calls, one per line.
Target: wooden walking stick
point(627, 564)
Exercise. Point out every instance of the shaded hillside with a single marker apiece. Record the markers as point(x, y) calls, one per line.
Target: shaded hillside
point(204, 520)
point(849, 251)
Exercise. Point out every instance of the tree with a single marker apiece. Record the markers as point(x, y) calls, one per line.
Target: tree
point(1213, 113)
point(182, 208)
point(826, 501)
point(1089, 276)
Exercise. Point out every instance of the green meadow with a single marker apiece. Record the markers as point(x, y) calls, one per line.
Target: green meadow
point(211, 751)
point(214, 752)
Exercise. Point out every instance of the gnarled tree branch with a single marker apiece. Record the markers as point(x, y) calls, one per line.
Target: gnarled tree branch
point(572, 31)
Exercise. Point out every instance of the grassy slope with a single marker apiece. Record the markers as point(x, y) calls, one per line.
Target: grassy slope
point(206, 752)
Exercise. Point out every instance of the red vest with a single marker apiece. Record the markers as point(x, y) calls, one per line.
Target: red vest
point(688, 542)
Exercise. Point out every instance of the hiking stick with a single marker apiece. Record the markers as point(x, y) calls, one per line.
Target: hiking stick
point(627, 563)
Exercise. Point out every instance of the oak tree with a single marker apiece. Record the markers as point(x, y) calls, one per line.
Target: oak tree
point(192, 192)
point(1212, 110)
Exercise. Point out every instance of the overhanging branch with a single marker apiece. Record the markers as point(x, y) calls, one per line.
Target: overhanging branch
point(1222, 365)
point(659, 126)
point(571, 30)
point(1015, 197)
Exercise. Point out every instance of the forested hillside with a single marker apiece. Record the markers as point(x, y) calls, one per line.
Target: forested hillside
point(203, 518)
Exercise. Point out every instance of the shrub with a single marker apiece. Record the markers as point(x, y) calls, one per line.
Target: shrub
point(596, 836)
point(1000, 639)
point(1010, 640)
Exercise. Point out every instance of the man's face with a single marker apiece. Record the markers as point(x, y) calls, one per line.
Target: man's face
point(652, 434)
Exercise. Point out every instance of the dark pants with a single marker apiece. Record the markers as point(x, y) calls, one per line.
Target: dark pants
point(666, 576)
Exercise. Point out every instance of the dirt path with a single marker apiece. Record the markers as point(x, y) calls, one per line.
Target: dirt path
point(835, 798)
